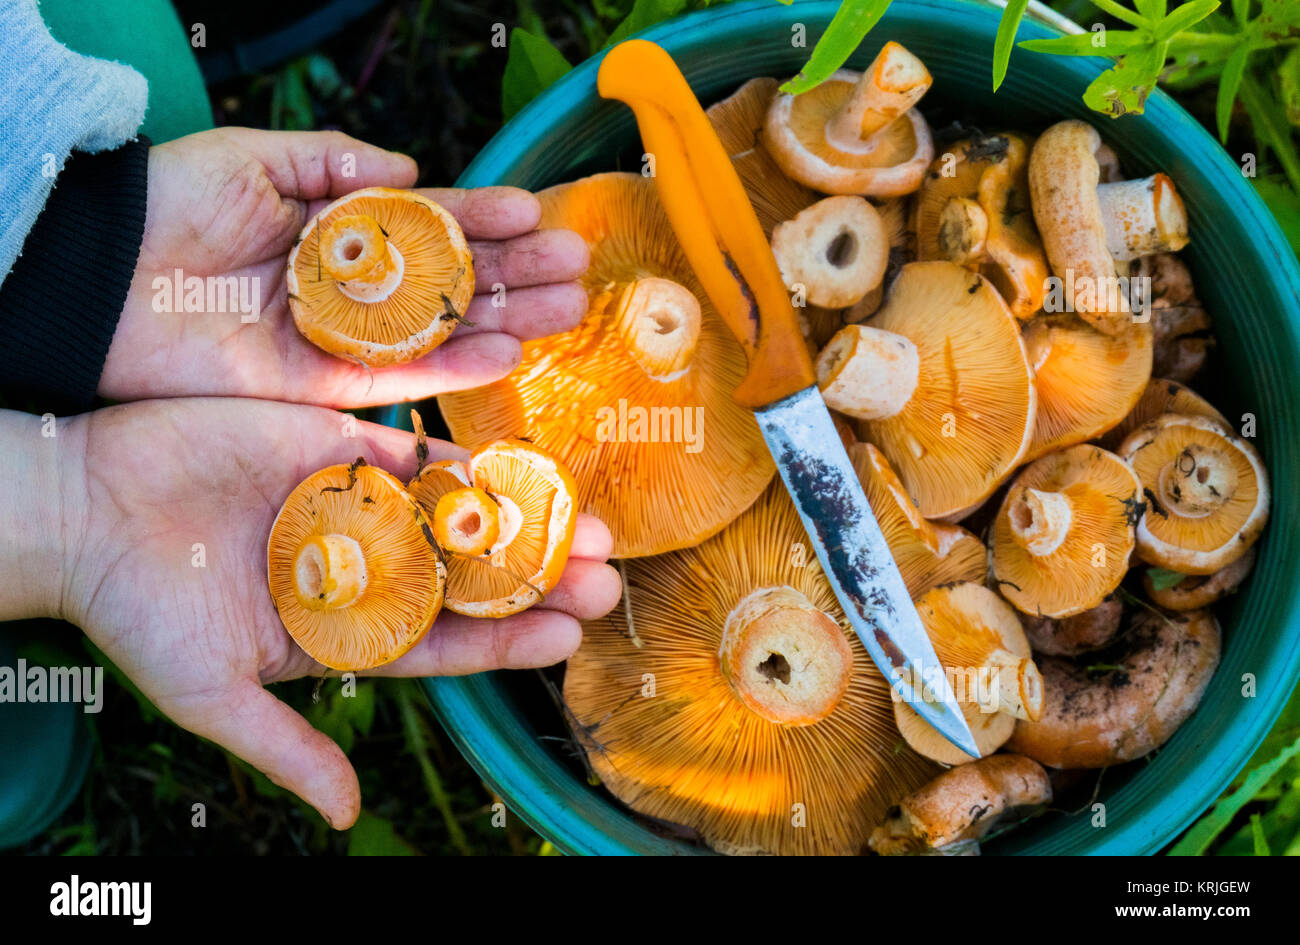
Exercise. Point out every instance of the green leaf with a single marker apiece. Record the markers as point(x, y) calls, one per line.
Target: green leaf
point(645, 13)
point(1284, 203)
point(1268, 119)
point(1257, 834)
point(532, 66)
point(372, 835)
point(1185, 16)
point(1288, 85)
point(1229, 83)
point(1152, 9)
point(1123, 90)
point(1112, 43)
point(1162, 580)
point(1006, 37)
point(1278, 20)
point(1203, 833)
point(851, 23)
point(1241, 11)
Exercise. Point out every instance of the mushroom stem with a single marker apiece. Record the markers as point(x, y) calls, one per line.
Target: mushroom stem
point(1198, 481)
point(963, 229)
point(1142, 217)
point(660, 322)
point(1012, 684)
point(891, 85)
point(786, 660)
point(466, 521)
point(329, 572)
point(355, 253)
point(1040, 520)
point(868, 373)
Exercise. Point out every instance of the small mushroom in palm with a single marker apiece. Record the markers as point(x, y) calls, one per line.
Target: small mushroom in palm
point(1082, 633)
point(1207, 491)
point(982, 648)
point(836, 250)
point(856, 133)
point(973, 209)
point(940, 382)
point(1089, 227)
point(380, 276)
point(954, 811)
point(1127, 700)
point(1087, 381)
point(1062, 539)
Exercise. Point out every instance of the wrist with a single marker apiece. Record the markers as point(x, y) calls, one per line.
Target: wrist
point(40, 513)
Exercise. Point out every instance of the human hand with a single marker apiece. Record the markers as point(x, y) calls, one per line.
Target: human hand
point(230, 202)
point(144, 485)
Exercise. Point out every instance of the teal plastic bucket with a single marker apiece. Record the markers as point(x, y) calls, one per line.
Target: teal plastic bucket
point(1245, 273)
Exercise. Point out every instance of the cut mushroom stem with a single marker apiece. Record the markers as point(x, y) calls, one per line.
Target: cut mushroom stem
point(1040, 520)
point(1198, 481)
point(894, 82)
point(786, 660)
point(1142, 217)
point(963, 230)
point(355, 253)
point(467, 521)
point(837, 249)
point(329, 572)
point(868, 373)
point(660, 321)
point(1012, 684)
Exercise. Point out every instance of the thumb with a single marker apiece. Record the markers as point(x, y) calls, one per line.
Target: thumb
point(269, 735)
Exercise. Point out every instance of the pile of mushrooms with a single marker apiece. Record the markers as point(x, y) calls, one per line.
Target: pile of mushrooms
point(1063, 508)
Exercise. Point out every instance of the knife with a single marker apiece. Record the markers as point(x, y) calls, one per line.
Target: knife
point(721, 237)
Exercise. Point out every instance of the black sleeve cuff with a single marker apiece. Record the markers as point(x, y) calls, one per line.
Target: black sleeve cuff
point(61, 302)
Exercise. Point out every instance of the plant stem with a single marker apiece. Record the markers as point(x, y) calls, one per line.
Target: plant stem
point(416, 743)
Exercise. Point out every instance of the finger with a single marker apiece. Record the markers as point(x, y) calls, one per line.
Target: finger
point(591, 539)
point(309, 165)
point(458, 646)
point(586, 590)
point(489, 213)
point(280, 743)
point(530, 312)
point(457, 364)
point(532, 259)
point(393, 450)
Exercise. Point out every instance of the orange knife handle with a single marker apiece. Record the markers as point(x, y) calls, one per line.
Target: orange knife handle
point(713, 220)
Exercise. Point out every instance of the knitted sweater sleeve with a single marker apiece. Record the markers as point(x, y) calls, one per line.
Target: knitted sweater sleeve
point(52, 101)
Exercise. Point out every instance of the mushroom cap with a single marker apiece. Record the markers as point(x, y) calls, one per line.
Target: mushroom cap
point(664, 459)
point(536, 523)
point(1200, 542)
point(1087, 381)
point(964, 804)
point(691, 750)
point(795, 135)
point(927, 553)
point(993, 172)
point(1197, 591)
point(1081, 633)
point(971, 417)
point(401, 590)
point(1161, 395)
point(406, 316)
point(738, 119)
point(1153, 679)
point(973, 630)
point(1095, 541)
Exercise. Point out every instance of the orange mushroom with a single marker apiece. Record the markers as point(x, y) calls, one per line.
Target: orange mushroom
point(507, 519)
point(1087, 382)
point(981, 646)
point(856, 133)
point(735, 702)
point(940, 383)
point(352, 567)
point(1160, 396)
point(1062, 539)
point(637, 400)
point(380, 276)
point(973, 209)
